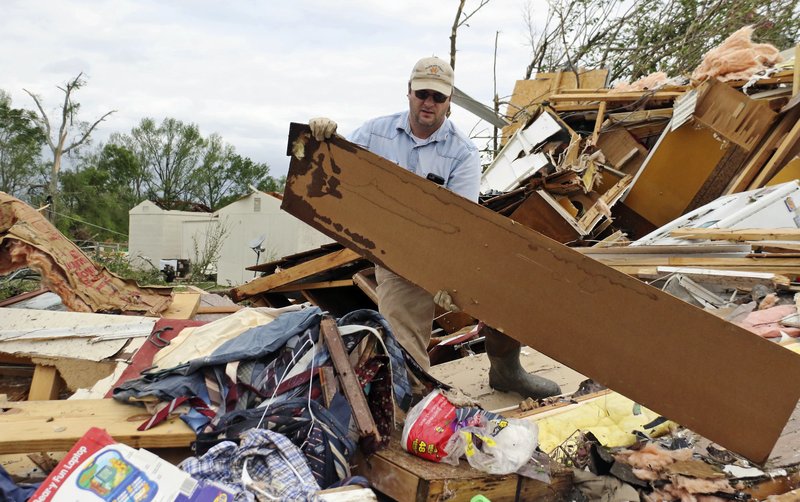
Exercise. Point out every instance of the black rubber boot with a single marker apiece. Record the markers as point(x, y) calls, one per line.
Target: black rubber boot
point(507, 374)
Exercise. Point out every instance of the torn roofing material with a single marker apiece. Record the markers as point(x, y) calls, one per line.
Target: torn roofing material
point(28, 239)
point(696, 369)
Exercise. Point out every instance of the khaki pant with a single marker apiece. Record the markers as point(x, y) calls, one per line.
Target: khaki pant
point(409, 310)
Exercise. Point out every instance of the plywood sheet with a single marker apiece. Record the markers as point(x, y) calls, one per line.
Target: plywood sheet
point(528, 93)
point(678, 166)
point(789, 172)
point(694, 368)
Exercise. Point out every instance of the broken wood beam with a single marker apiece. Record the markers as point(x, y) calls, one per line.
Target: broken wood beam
point(299, 286)
point(300, 271)
point(219, 309)
point(184, 305)
point(614, 96)
point(45, 385)
point(348, 380)
point(767, 147)
point(365, 280)
point(728, 278)
point(738, 235)
point(654, 349)
point(33, 426)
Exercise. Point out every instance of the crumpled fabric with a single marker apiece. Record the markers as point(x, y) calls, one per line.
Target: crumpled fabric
point(321, 434)
point(275, 465)
point(12, 492)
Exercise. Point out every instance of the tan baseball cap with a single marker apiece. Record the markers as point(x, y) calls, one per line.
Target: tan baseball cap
point(434, 74)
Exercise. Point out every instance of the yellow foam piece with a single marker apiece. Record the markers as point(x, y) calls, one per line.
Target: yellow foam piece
point(612, 418)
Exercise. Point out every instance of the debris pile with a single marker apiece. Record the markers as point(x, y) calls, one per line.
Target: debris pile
point(645, 236)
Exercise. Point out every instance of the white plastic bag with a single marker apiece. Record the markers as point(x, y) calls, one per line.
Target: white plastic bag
point(496, 446)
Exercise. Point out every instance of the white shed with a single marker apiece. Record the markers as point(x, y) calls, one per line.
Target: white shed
point(249, 219)
point(159, 235)
point(156, 234)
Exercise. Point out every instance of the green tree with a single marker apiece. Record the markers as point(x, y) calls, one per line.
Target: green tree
point(21, 142)
point(92, 205)
point(97, 194)
point(270, 184)
point(176, 164)
point(125, 151)
point(211, 179)
point(225, 176)
point(61, 144)
point(127, 172)
point(169, 152)
point(633, 39)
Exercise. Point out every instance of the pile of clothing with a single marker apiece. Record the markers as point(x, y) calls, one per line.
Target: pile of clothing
point(256, 401)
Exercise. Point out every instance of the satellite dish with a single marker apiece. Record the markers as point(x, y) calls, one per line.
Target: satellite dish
point(255, 244)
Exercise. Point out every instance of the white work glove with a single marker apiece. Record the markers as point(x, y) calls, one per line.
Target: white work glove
point(443, 299)
point(322, 128)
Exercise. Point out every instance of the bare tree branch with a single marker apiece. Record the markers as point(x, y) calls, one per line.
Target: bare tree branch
point(42, 119)
point(68, 109)
point(453, 32)
point(87, 133)
point(457, 23)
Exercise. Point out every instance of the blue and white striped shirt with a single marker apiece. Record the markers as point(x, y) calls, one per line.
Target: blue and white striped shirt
point(448, 152)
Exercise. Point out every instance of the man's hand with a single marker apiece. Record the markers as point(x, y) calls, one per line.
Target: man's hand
point(443, 299)
point(322, 128)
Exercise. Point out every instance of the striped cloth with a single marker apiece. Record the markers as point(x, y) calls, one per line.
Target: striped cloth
point(275, 465)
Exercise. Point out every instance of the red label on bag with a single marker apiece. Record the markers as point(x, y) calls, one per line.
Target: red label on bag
point(430, 431)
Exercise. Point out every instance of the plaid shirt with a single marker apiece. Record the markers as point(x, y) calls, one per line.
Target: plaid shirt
point(275, 464)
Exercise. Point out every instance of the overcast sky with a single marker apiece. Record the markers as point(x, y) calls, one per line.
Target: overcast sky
point(246, 69)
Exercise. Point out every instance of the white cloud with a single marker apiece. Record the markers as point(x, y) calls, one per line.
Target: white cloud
point(246, 68)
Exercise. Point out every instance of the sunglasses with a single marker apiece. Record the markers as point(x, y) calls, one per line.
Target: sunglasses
point(422, 95)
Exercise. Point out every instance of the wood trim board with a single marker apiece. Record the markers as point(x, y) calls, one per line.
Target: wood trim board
point(56, 425)
point(300, 271)
point(696, 369)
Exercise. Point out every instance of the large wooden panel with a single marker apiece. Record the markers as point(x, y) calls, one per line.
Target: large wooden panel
point(680, 361)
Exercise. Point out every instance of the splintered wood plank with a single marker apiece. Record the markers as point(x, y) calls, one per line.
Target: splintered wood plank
point(728, 278)
point(768, 145)
point(705, 373)
point(632, 263)
point(739, 235)
point(615, 96)
point(778, 159)
point(218, 309)
point(183, 306)
point(56, 425)
point(301, 271)
point(313, 285)
point(45, 383)
point(348, 380)
point(365, 280)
